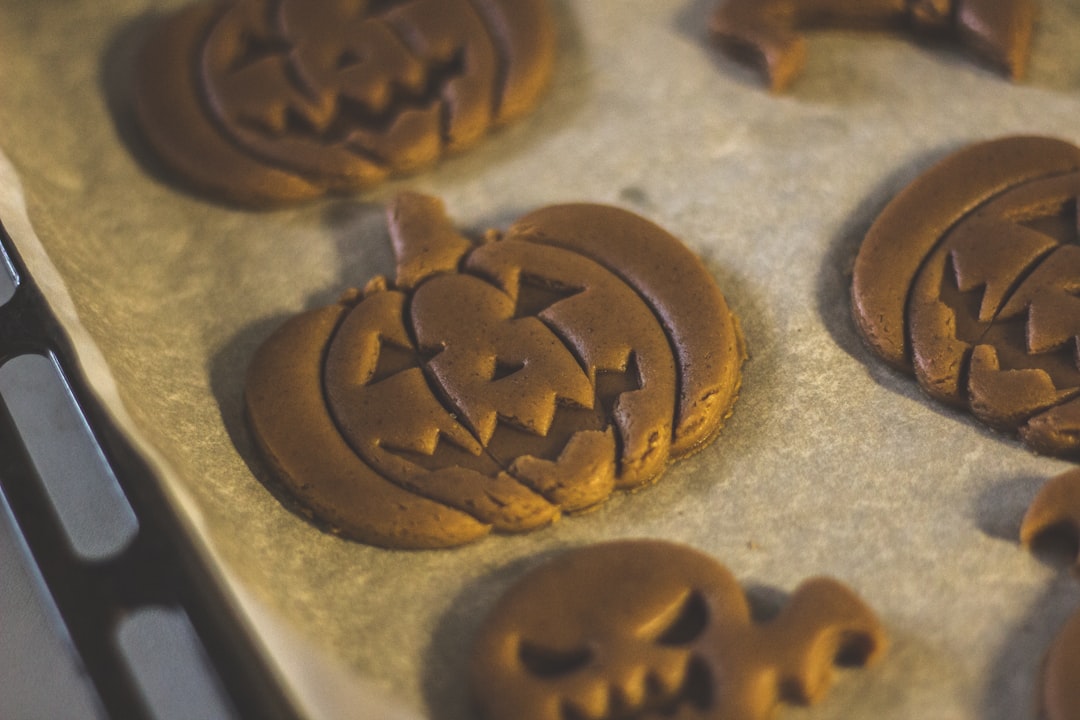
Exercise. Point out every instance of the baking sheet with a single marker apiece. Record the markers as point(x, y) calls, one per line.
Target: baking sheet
point(831, 464)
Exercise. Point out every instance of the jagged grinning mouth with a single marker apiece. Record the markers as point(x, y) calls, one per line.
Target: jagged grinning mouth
point(350, 115)
point(695, 693)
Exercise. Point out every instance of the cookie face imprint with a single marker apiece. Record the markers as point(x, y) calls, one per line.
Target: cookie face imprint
point(769, 31)
point(491, 386)
point(969, 279)
point(269, 101)
point(644, 629)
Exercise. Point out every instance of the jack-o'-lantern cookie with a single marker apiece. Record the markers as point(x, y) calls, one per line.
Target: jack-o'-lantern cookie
point(264, 102)
point(769, 31)
point(496, 384)
point(970, 279)
point(650, 629)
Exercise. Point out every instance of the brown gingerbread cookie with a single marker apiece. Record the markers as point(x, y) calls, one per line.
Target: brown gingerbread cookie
point(769, 31)
point(1060, 697)
point(496, 384)
point(968, 279)
point(646, 629)
point(1054, 511)
point(264, 102)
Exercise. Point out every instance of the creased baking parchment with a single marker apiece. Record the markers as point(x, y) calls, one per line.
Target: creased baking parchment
point(831, 464)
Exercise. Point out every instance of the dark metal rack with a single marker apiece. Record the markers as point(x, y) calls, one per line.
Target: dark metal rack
point(156, 569)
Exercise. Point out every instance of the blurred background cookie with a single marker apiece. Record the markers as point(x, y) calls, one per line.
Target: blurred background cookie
point(263, 103)
point(769, 32)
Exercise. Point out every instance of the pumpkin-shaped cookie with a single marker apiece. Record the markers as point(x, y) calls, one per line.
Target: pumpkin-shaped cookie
point(264, 102)
point(969, 279)
point(496, 384)
point(641, 629)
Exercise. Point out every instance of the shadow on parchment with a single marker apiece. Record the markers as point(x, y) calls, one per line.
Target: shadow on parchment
point(999, 509)
point(116, 79)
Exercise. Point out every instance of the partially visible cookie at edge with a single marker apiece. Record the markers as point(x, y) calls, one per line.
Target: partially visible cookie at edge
point(1055, 513)
point(1060, 692)
point(968, 280)
point(769, 32)
point(265, 103)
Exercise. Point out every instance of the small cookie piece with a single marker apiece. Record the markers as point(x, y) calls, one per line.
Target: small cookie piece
point(969, 279)
point(1056, 509)
point(496, 384)
point(769, 30)
point(266, 102)
point(1060, 699)
point(646, 628)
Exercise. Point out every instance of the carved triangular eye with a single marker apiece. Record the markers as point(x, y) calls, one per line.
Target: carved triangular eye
point(684, 622)
point(536, 295)
point(546, 662)
point(504, 369)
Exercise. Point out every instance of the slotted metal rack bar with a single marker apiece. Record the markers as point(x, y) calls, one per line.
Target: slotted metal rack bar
point(99, 582)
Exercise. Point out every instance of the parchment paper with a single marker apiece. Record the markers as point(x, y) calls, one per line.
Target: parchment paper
point(831, 464)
